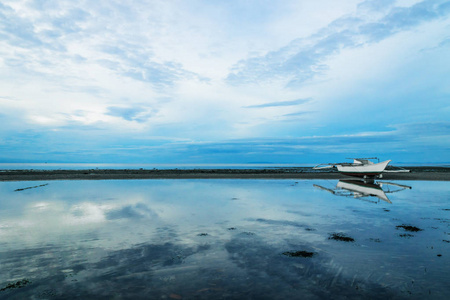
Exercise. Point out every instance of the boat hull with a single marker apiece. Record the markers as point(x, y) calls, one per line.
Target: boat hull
point(363, 170)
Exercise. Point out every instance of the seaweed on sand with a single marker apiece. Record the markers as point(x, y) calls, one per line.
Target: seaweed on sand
point(17, 285)
point(341, 237)
point(406, 235)
point(299, 253)
point(247, 233)
point(30, 187)
point(409, 228)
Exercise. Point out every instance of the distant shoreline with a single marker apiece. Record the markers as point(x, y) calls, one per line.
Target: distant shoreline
point(417, 173)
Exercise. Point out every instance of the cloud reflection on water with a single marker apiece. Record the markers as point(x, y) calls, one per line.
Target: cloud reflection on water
point(219, 238)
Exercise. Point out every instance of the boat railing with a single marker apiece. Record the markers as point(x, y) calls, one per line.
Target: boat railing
point(365, 158)
point(323, 166)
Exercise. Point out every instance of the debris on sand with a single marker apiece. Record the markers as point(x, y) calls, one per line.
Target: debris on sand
point(341, 237)
point(248, 233)
point(406, 235)
point(299, 253)
point(17, 285)
point(30, 187)
point(409, 228)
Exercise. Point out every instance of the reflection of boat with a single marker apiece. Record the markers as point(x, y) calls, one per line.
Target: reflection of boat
point(360, 167)
point(360, 189)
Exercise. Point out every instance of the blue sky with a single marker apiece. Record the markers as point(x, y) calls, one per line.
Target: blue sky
point(224, 81)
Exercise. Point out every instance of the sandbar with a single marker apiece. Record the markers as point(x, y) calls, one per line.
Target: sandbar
point(417, 173)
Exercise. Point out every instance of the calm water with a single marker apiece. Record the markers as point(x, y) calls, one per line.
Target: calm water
point(221, 239)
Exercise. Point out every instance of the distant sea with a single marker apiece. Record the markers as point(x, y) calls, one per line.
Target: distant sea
point(85, 166)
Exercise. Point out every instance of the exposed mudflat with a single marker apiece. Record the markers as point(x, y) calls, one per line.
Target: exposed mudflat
point(417, 173)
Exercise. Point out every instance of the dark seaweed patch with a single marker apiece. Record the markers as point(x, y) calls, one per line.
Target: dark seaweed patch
point(30, 187)
point(202, 234)
point(406, 235)
point(442, 220)
point(248, 233)
point(17, 285)
point(299, 253)
point(47, 293)
point(341, 237)
point(232, 228)
point(409, 228)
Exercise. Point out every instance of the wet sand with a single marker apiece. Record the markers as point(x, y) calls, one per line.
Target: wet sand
point(417, 173)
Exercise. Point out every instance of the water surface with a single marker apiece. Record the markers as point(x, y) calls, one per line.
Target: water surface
point(221, 239)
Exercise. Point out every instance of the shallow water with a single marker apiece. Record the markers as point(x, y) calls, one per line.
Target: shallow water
point(214, 239)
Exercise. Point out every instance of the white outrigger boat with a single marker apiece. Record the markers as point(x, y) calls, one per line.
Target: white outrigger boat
point(361, 167)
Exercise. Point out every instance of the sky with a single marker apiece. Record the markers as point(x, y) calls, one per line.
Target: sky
point(246, 81)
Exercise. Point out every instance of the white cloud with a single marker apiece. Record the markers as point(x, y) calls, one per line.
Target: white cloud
point(160, 68)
